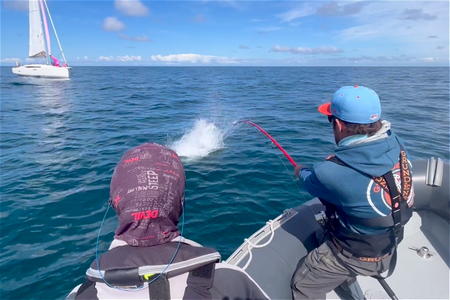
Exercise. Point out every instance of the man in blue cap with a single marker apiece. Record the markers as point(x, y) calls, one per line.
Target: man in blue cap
point(366, 187)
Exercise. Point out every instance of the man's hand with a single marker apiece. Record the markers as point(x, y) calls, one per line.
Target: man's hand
point(297, 170)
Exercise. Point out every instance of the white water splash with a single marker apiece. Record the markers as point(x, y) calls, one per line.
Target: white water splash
point(205, 137)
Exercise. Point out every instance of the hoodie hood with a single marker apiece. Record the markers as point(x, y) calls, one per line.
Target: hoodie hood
point(147, 192)
point(373, 155)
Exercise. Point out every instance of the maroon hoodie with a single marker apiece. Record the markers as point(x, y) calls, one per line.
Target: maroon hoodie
point(147, 192)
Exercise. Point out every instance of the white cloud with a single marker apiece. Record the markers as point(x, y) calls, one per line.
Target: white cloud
point(417, 14)
point(133, 8)
point(329, 8)
point(120, 58)
point(306, 50)
point(299, 12)
point(429, 59)
point(106, 58)
point(126, 58)
point(380, 59)
point(409, 20)
point(335, 8)
point(416, 28)
point(193, 59)
point(113, 24)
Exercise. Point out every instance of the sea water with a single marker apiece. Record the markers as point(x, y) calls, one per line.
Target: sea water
point(60, 141)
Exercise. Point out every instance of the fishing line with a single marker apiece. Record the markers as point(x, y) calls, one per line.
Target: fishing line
point(279, 156)
point(288, 171)
point(286, 168)
point(154, 279)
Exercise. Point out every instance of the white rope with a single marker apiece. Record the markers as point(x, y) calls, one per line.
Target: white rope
point(54, 30)
point(250, 245)
point(250, 256)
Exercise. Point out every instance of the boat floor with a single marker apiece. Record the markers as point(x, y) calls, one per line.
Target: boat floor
point(416, 277)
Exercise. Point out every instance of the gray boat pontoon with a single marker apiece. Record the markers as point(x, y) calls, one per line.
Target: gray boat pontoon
point(422, 270)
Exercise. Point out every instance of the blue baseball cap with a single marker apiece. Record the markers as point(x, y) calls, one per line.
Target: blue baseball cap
point(354, 104)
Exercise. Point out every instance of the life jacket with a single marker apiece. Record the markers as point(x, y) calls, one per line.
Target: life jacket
point(375, 245)
point(175, 270)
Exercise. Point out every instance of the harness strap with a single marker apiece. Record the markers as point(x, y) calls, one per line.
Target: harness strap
point(405, 175)
point(396, 197)
point(396, 206)
point(392, 265)
point(123, 277)
point(199, 282)
point(160, 288)
point(86, 285)
point(387, 288)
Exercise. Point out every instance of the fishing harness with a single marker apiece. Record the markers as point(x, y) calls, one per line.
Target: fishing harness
point(347, 242)
point(127, 268)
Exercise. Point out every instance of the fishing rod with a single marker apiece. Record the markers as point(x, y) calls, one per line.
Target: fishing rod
point(274, 141)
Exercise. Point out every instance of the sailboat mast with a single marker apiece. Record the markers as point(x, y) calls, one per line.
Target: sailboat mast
point(47, 35)
point(54, 30)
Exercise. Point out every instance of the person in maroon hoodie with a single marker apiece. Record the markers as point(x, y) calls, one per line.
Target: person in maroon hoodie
point(148, 258)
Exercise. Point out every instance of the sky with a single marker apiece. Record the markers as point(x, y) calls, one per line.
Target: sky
point(237, 33)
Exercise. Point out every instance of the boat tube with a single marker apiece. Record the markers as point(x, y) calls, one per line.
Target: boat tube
point(270, 256)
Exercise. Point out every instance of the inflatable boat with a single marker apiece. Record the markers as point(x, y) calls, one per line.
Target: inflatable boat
point(270, 256)
point(422, 270)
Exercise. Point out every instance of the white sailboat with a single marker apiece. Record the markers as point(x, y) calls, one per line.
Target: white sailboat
point(40, 45)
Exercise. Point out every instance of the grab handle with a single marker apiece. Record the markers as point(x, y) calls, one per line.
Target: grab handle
point(435, 171)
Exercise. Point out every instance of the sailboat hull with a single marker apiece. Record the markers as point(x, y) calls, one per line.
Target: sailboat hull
point(38, 70)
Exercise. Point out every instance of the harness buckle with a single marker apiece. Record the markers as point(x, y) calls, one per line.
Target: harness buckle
point(148, 277)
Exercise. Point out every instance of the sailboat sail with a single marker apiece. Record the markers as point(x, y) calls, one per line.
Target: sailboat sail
point(37, 46)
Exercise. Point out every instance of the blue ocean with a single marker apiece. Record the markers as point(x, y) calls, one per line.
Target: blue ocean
point(60, 141)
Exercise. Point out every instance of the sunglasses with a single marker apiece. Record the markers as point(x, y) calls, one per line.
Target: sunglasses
point(330, 119)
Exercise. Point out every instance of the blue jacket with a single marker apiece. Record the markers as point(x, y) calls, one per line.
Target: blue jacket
point(351, 191)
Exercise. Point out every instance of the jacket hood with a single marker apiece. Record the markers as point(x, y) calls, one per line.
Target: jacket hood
point(147, 192)
point(374, 157)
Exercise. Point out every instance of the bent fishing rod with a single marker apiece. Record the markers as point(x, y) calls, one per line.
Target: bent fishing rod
point(274, 141)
